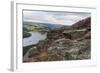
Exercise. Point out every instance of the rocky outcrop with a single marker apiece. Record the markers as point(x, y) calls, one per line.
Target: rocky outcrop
point(65, 49)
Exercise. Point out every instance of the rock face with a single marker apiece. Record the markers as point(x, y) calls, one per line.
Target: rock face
point(65, 49)
point(73, 43)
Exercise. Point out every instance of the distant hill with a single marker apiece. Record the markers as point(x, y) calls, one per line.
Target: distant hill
point(85, 23)
point(44, 25)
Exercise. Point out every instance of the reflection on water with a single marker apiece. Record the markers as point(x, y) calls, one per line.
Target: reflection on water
point(33, 39)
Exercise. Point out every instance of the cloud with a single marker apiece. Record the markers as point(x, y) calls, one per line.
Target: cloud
point(65, 18)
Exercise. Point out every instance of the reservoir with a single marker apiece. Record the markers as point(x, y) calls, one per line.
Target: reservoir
point(33, 39)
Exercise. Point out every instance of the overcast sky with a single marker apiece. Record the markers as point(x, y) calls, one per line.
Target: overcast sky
point(65, 18)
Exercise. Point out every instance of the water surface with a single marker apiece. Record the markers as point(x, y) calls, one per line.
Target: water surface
point(33, 39)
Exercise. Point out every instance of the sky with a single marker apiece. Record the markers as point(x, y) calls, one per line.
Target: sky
point(64, 18)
